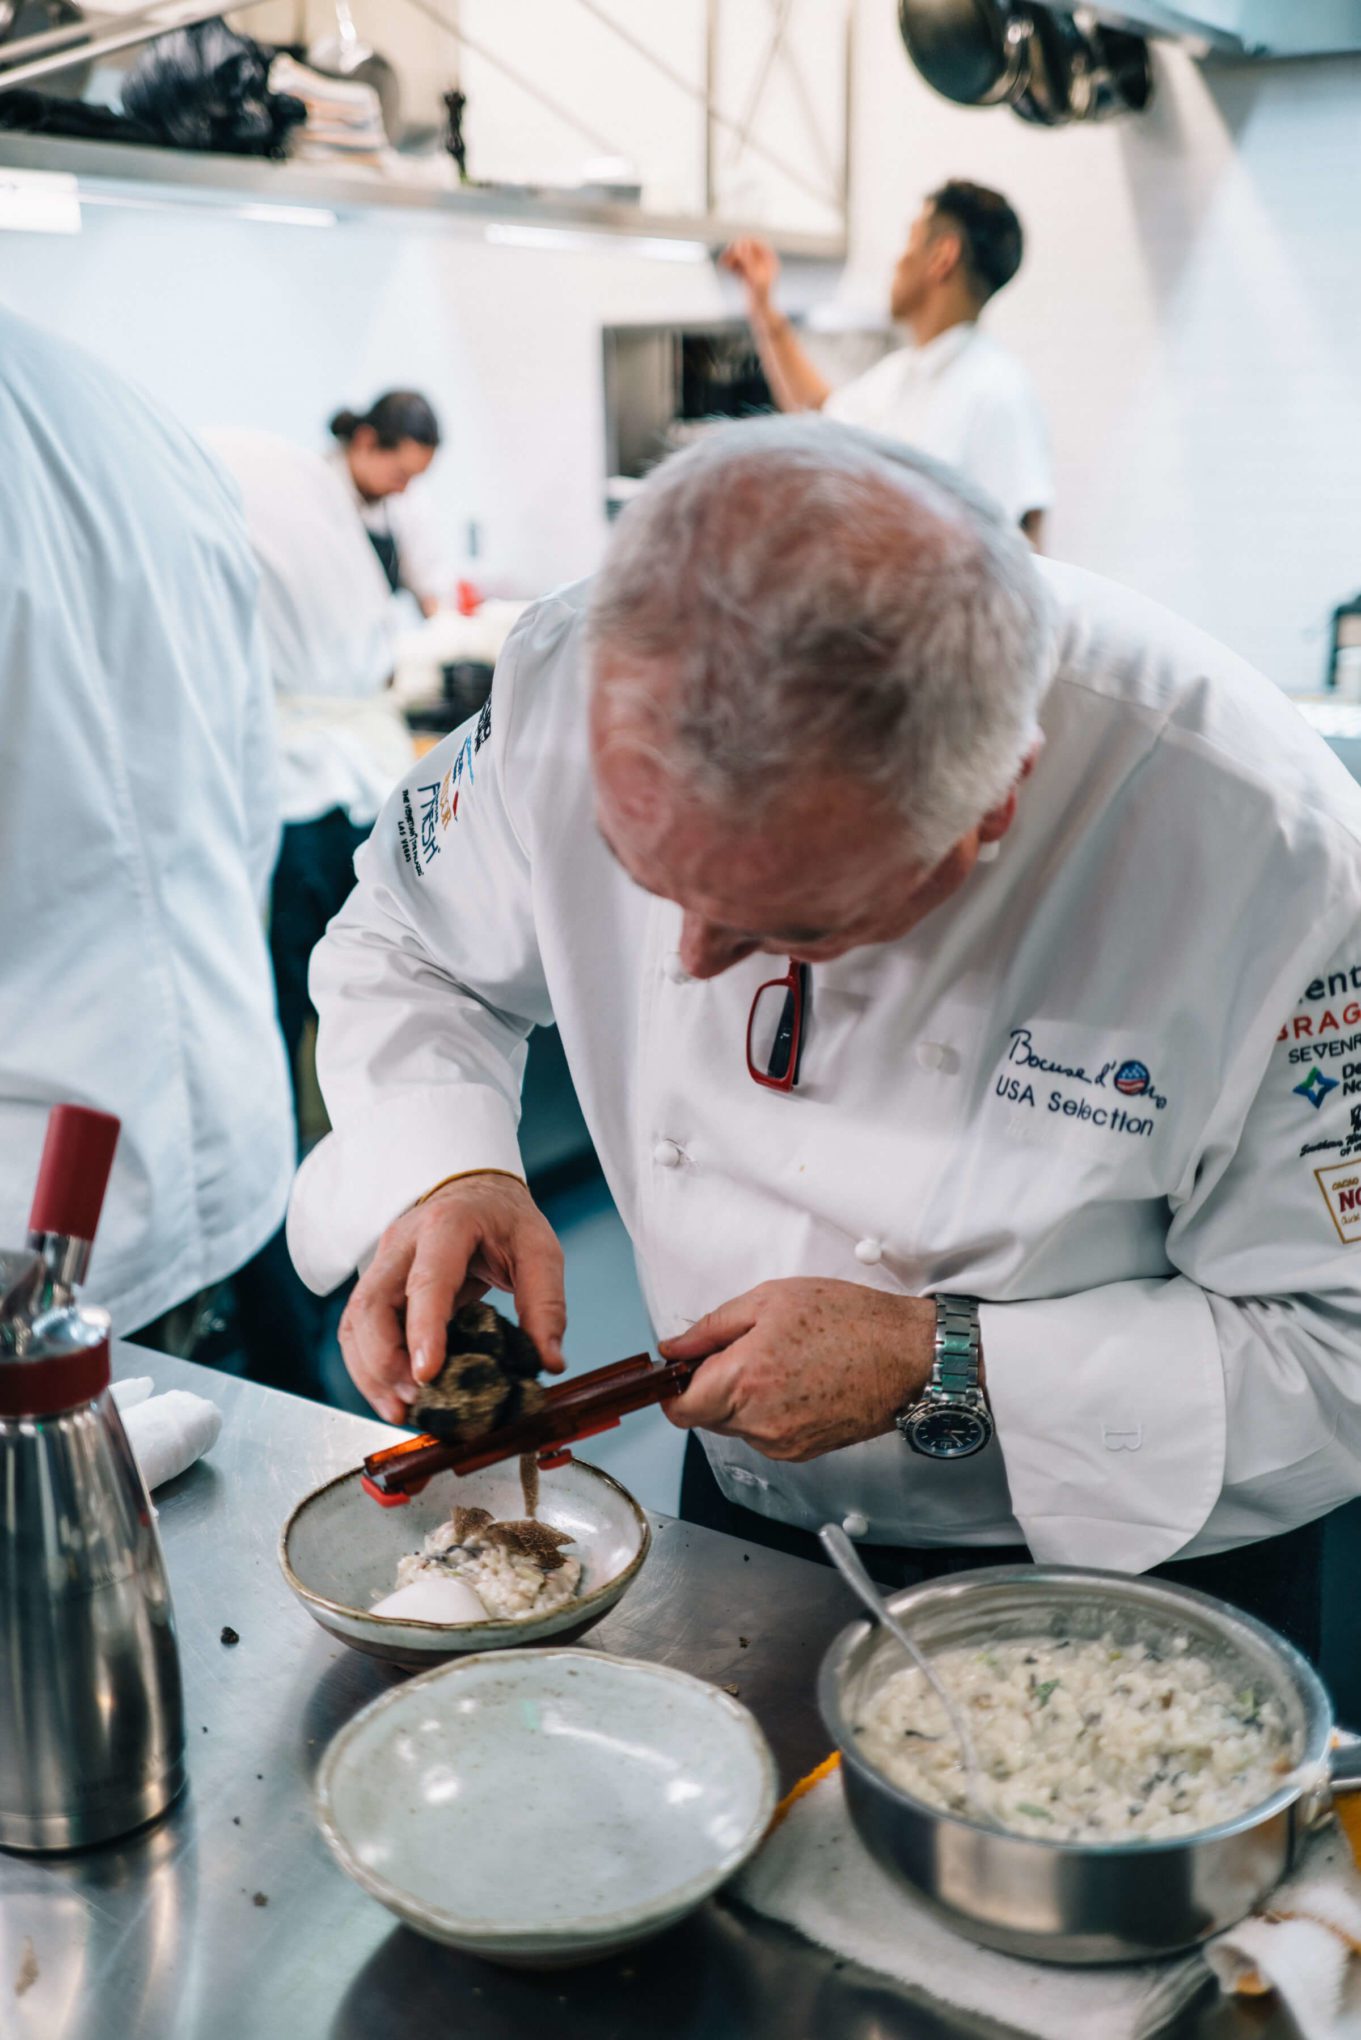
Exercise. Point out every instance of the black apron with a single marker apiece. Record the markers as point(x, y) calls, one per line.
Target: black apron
point(389, 559)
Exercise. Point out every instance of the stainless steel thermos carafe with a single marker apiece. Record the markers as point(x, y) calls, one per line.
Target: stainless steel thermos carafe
point(91, 1716)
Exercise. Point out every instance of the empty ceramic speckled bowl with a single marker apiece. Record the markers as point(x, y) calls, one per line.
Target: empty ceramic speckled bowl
point(339, 1553)
point(548, 1807)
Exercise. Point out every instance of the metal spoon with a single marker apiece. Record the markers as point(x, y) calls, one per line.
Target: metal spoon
point(846, 1559)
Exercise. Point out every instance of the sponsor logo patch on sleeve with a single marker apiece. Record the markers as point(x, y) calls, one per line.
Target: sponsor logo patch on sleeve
point(1341, 1188)
point(426, 818)
point(417, 830)
point(1327, 1026)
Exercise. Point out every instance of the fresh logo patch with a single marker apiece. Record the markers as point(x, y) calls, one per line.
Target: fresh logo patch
point(420, 845)
point(1132, 1079)
point(1315, 1088)
point(1341, 1187)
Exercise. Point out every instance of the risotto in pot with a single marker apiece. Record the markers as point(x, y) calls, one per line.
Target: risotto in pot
point(1082, 1740)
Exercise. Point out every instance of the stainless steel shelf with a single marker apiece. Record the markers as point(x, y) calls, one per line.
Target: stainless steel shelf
point(179, 177)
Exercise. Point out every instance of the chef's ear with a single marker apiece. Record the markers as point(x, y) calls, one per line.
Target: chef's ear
point(944, 254)
point(999, 819)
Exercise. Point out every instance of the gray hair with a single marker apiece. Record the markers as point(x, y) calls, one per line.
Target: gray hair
point(790, 595)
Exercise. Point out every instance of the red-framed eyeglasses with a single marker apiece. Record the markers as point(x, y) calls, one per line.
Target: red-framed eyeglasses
point(776, 1065)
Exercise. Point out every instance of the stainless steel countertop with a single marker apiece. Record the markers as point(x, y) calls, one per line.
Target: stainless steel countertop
point(165, 1938)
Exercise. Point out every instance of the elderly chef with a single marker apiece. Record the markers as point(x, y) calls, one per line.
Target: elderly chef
point(1024, 1209)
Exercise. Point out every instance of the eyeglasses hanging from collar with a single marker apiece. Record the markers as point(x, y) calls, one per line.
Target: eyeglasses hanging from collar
point(776, 1028)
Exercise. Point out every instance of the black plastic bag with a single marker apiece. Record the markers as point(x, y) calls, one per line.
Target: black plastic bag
point(208, 88)
point(40, 113)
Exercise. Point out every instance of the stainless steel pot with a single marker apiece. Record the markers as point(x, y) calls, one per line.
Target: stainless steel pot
point(1080, 1901)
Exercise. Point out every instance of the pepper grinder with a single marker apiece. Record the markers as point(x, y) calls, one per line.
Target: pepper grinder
point(91, 1713)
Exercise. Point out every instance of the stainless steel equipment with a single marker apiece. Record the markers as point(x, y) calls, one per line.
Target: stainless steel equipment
point(93, 1731)
point(1074, 1901)
point(1038, 60)
point(167, 1936)
point(665, 383)
point(344, 54)
point(1343, 674)
point(846, 1559)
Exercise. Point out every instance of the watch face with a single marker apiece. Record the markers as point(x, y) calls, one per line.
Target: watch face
point(950, 1433)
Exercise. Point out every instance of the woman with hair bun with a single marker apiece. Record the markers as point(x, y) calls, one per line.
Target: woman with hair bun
point(379, 453)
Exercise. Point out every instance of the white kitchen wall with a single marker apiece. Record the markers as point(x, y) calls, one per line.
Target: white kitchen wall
point(1190, 308)
point(239, 323)
point(233, 322)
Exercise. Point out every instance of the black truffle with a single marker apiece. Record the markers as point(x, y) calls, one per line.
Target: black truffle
point(487, 1380)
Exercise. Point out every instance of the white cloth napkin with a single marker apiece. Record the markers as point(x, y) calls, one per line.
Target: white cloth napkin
point(815, 1875)
point(167, 1432)
point(1301, 1943)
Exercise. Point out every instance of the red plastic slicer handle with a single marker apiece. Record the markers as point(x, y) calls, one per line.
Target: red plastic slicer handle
point(397, 1501)
point(74, 1171)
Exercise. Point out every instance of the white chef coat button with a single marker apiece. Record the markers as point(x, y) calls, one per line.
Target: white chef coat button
point(855, 1525)
point(932, 1055)
point(869, 1251)
point(675, 969)
point(666, 1154)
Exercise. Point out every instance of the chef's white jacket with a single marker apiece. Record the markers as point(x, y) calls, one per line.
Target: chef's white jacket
point(964, 400)
point(330, 627)
point(138, 828)
point(1105, 1088)
point(424, 564)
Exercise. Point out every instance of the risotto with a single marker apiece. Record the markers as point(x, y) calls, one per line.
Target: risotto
point(1082, 1741)
point(515, 1569)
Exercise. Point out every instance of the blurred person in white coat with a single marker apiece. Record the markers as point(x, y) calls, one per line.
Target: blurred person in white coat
point(955, 393)
point(329, 624)
point(958, 960)
point(330, 627)
point(138, 826)
point(379, 453)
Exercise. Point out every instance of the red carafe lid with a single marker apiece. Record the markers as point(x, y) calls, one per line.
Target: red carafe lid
point(74, 1171)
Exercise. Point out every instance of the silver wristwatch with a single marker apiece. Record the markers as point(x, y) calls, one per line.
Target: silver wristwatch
point(950, 1418)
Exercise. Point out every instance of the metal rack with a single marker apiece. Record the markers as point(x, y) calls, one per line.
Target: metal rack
point(120, 171)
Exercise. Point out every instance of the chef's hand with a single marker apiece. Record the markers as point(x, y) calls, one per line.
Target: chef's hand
point(800, 1367)
point(482, 1232)
point(756, 265)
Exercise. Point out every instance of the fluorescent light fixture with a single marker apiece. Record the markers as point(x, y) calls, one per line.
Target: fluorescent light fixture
point(288, 215)
point(269, 215)
point(516, 234)
point(39, 202)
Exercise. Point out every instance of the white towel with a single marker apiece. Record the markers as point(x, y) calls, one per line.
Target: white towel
point(127, 1394)
point(814, 1874)
point(167, 1432)
point(1301, 1943)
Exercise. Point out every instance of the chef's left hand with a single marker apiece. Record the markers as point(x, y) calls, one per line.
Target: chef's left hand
point(800, 1367)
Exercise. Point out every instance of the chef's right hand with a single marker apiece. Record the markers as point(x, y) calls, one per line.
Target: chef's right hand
point(479, 1233)
point(756, 265)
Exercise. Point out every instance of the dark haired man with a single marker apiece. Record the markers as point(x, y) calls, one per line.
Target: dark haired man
point(955, 393)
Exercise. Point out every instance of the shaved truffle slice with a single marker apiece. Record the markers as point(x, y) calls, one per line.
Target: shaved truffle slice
point(530, 1539)
point(487, 1379)
point(467, 1521)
